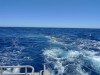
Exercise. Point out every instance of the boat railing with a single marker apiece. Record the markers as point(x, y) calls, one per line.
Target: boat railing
point(3, 68)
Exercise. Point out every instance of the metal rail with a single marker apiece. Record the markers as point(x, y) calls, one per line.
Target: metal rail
point(42, 72)
point(26, 67)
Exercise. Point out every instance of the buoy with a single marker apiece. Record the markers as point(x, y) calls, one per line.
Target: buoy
point(53, 38)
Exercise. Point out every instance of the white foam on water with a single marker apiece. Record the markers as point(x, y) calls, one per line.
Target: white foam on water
point(95, 63)
point(80, 70)
point(16, 70)
point(71, 55)
point(55, 53)
point(58, 65)
point(88, 53)
point(54, 41)
point(48, 37)
point(62, 59)
point(93, 60)
point(9, 70)
point(58, 55)
point(61, 56)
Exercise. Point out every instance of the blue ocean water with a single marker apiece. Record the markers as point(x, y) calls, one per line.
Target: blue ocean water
point(65, 51)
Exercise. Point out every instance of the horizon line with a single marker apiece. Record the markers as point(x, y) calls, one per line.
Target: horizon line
point(45, 27)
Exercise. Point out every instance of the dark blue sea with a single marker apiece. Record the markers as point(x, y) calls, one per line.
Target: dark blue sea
point(65, 51)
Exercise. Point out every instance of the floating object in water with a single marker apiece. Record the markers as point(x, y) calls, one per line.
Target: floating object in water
point(53, 38)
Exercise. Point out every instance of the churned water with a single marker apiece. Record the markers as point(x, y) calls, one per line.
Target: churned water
point(64, 51)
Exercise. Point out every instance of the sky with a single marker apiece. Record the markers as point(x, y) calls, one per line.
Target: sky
point(50, 13)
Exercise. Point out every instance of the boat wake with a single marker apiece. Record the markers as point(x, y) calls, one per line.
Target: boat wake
point(61, 59)
point(65, 51)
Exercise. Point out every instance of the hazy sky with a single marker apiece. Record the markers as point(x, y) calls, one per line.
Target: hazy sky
point(50, 13)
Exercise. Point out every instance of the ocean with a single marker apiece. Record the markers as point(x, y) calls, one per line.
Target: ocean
point(65, 51)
